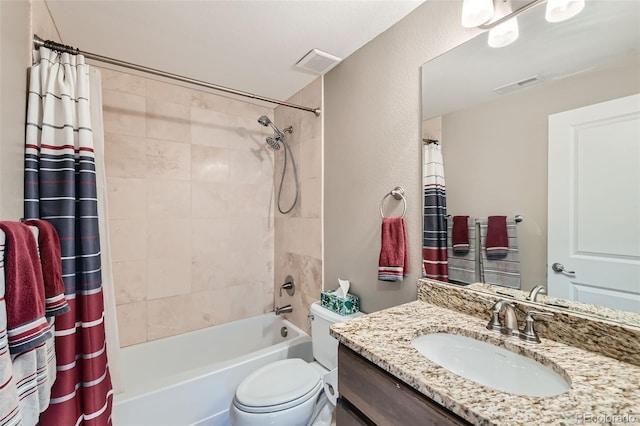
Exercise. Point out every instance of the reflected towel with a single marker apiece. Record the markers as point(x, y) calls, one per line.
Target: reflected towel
point(462, 266)
point(497, 241)
point(506, 270)
point(51, 261)
point(393, 263)
point(460, 235)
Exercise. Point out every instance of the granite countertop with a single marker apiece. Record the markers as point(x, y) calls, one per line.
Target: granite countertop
point(601, 387)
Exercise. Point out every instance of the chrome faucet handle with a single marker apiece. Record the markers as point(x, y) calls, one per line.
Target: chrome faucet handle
point(289, 285)
point(529, 334)
point(510, 324)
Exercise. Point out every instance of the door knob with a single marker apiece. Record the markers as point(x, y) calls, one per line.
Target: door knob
point(559, 267)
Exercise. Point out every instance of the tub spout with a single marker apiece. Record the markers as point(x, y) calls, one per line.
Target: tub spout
point(284, 310)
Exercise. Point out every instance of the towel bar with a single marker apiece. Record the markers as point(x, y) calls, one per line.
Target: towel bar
point(398, 194)
point(518, 218)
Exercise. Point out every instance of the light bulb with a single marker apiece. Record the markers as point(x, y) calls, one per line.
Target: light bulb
point(561, 10)
point(476, 12)
point(504, 34)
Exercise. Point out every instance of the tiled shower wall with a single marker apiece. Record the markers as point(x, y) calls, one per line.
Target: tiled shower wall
point(190, 187)
point(298, 237)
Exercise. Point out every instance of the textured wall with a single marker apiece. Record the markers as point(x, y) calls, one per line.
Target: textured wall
point(373, 143)
point(189, 181)
point(298, 238)
point(15, 58)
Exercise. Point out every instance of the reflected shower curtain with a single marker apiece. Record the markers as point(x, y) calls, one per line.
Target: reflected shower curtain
point(60, 187)
point(434, 227)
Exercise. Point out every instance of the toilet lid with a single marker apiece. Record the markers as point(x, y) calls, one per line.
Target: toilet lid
point(279, 385)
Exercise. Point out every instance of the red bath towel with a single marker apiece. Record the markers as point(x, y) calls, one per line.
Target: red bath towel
point(460, 235)
point(497, 243)
point(393, 264)
point(51, 261)
point(24, 289)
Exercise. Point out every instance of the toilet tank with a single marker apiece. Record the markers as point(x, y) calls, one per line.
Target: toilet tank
point(325, 347)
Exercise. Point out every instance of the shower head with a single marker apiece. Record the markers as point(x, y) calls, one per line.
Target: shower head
point(274, 143)
point(264, 120)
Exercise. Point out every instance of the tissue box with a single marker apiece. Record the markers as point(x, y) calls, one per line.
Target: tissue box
point(341, 306)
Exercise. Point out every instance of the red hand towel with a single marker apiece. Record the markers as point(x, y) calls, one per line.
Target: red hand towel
point(460, 234)
point(24, 289)
point(51, 261)
point(497, 242)
point(393, 263)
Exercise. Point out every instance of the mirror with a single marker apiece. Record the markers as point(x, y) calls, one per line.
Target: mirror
point(474, 95)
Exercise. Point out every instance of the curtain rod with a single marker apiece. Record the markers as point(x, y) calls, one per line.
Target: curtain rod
point(38, 42)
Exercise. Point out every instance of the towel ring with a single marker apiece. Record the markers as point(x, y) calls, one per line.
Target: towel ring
point(398, 194)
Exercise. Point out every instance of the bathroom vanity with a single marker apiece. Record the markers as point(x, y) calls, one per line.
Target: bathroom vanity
point(383, 379)
point(368, 394)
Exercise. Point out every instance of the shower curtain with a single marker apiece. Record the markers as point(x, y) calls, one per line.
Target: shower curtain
point(60, 187)
point(434, 227)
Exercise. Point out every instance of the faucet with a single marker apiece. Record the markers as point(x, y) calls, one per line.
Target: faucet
point(284, 310)
point(533, 295)
point(509, 325)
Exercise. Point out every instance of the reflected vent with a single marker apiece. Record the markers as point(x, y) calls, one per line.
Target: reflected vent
point(318, 62)
point(512, 87)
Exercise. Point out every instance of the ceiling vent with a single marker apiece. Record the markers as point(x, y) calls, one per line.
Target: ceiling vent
point(318, 62)
point(512, 87)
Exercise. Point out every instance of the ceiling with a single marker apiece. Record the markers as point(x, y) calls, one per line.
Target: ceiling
point(604, 33)
point(250, 46)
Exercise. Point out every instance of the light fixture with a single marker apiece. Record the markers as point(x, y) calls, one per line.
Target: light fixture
point(561, 10)
point(504, 34)
point(504, 30)
point(476, 12)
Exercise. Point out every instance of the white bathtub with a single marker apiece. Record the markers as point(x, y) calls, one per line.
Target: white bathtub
point(190, 379)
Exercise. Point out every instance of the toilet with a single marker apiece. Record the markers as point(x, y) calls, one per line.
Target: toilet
point(285, 392)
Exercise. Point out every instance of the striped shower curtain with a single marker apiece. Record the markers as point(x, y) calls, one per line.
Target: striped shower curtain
point(434, 227)
point(60, 187)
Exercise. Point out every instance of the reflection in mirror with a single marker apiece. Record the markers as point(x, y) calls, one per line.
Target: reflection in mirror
point(490, 109)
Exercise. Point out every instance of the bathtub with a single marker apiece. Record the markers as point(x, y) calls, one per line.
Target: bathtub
point(190, 379)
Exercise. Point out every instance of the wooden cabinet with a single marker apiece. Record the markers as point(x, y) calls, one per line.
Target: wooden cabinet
point(371, 396)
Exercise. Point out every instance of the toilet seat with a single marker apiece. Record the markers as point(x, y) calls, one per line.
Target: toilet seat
point(278, 386)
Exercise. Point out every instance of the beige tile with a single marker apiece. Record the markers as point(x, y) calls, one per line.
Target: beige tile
point(123, 113)
point(210, 128)
point(311, 94)
point(168, 121)
point(122, 82)
point(125, 155)
point(248, 300)
point(130, 281)
point(168, 92)
point(168, 160)
point(168, 239)
point(128, 239)
point(311, 158)
point(167, 317)
point(168, 199)
point(132, 323)
point(168, 277)
point(210, 101)
point(210, 273)
point(126, 198)
point(246, 167)
point(212, 200)
point(251, 199)
point(311, 202)
point(209, 164)
point(311, 241)
point(209, 308)
point(211, 238)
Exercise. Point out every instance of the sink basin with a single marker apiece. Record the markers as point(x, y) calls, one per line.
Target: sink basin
point(490, 365)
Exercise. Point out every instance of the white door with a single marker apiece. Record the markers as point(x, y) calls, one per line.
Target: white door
point(594, 204)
